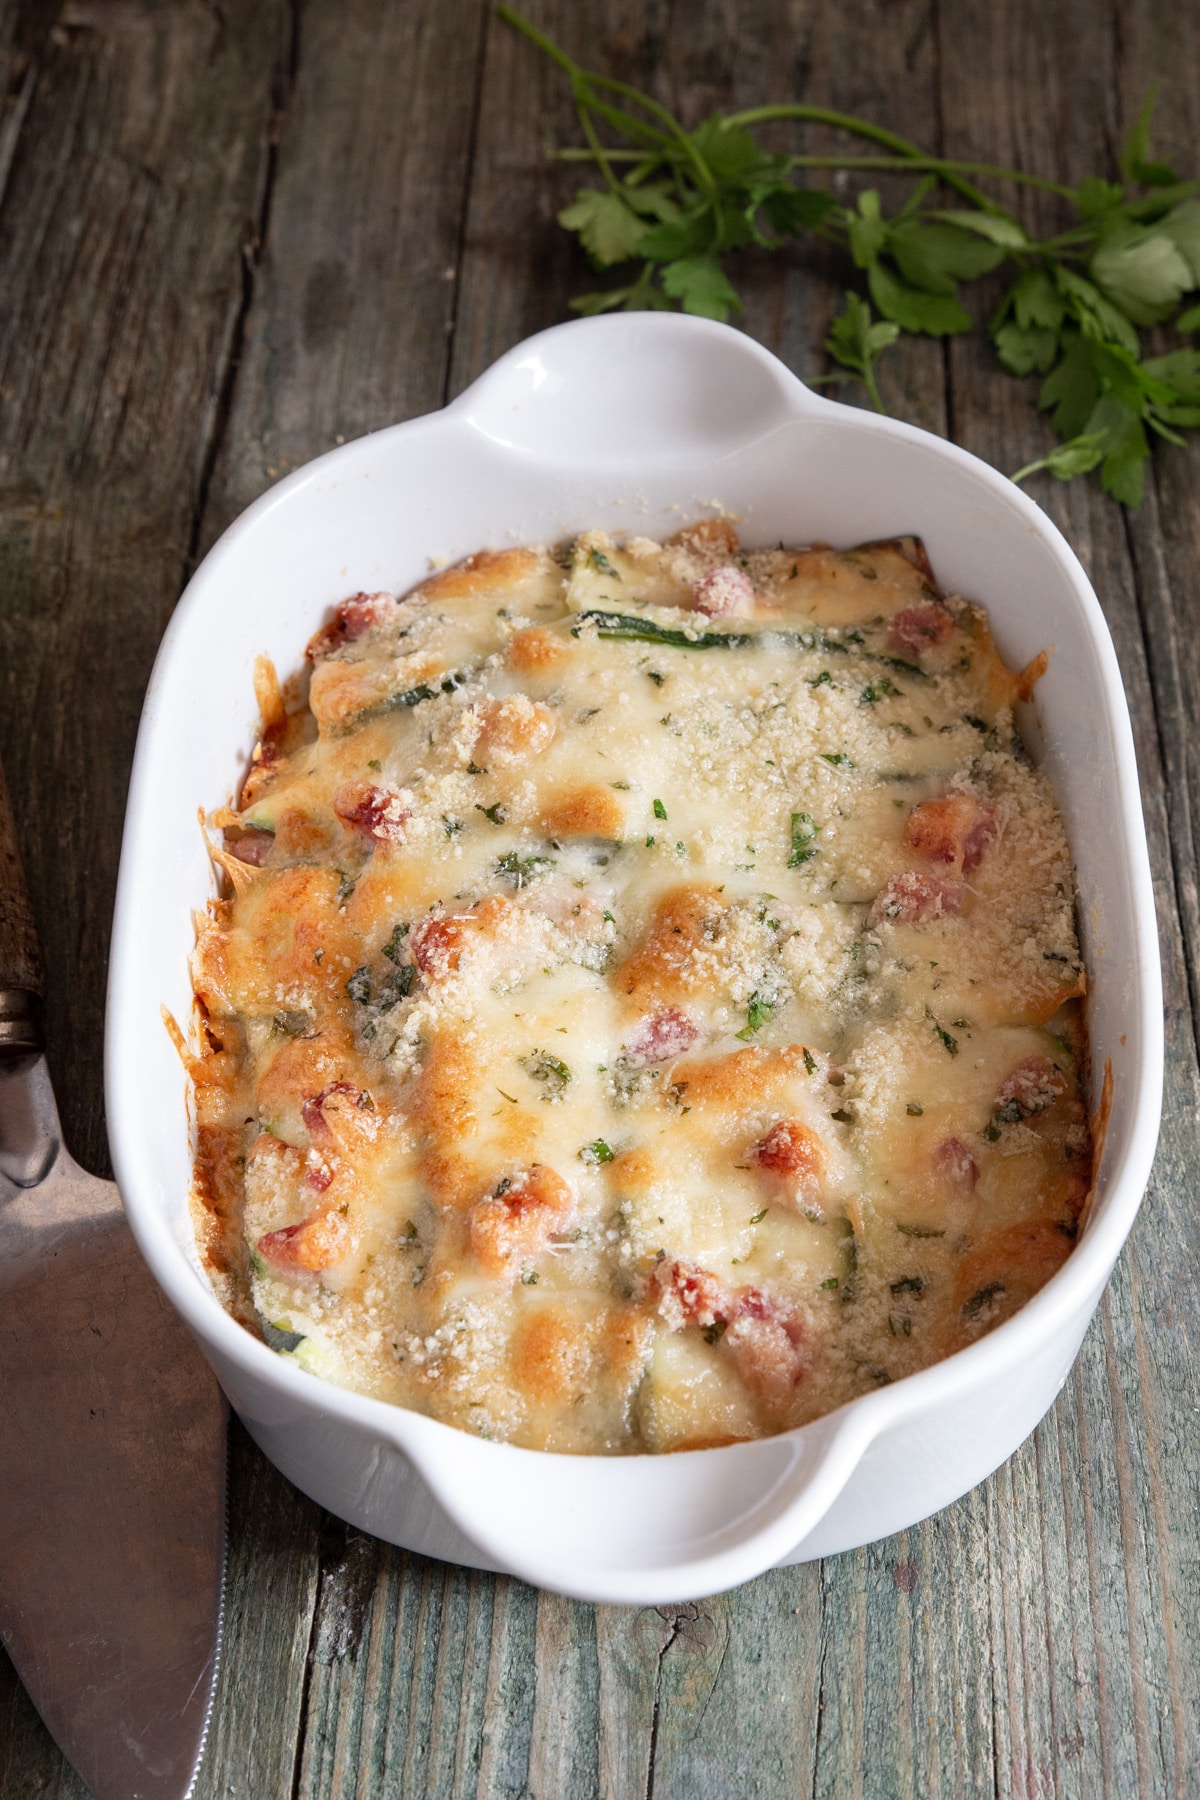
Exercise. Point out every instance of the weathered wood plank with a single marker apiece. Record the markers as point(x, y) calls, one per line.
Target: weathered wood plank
point(271, 1593)
point(353, 295)
point(132, 161)
point(1094, 1696)
point(132, 186)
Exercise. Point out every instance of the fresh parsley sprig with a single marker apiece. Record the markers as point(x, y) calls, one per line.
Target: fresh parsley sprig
point(674, 205)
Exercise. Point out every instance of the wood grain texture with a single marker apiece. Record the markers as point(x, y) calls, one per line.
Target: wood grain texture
point(20, 956)
point(231, 238)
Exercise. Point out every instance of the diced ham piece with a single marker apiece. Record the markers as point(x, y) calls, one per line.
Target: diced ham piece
point(250, 845)
point(352, 619)
point(438, 942)
point(317, 1174)
point(700, 1298)
point(790, 1148)
point(769, 1345)
point(766, 1338)
point(664, 1034)
point(515, 1221)
point(913, 898)
point(305, 1249)
point(955, 830)
point(953, 1162)
point(792, 1156)
point(378, 812)
point(1035, 1084)
point(917, 628)
point(725, 592)
point(312, 1108)
point(495, 939)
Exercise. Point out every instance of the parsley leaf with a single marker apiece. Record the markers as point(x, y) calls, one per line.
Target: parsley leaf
point(857, 341)
point(672, 207)
point(757, 1014)
point(702, 286)
point(608, 228)
point(804, 831)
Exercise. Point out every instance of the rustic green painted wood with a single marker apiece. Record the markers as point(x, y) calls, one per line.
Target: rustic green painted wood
point(231, 236)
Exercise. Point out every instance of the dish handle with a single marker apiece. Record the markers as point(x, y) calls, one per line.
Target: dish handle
point(631, 389)
point(643, 1530)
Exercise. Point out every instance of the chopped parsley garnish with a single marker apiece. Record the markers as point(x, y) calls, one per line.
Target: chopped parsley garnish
point(359, 986)
point(452, 826)
point(882, 689)
point(976, 1304)
point(392, 948)
point(950, 1044)
point(757, 1014)
point(522, 868)
point(831, 1282)
point(599, 1152)
point(281, 1337)
point(760, 1216)
point(495, 813)
point(914, 1109)
point(529, 1277)
point(346, 886)
point(804, 831)
point(660, 811)
point(654, 676)
point(920, 1231)
point(551, 1070)
point(822, 680)
point(810, 1061)
point(373, 762)
point(397, 984)
point(290, 1024)
point(837, 758)
point(909, 1284)
point(601, 564)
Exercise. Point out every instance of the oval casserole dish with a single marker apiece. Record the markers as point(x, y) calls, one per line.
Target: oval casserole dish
point(631, 423)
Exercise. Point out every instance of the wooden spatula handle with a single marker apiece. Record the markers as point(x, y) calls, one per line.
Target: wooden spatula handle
point(21, 984)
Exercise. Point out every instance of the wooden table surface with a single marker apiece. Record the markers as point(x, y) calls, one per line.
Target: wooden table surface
point(235, 232)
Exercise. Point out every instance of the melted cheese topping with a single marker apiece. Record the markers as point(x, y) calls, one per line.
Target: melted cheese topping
point(644, 1009)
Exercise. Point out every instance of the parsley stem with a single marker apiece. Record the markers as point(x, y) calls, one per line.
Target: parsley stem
point(583, 85)
point(655, 144)
point(933, 164)
point(936, 165)
point(546, 45)
point(867, 377)
point(877, 134)
point(589, 132)
point(573, 153)
point(704, 174)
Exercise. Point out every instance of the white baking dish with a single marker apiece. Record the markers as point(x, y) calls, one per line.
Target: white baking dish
point(636, 422)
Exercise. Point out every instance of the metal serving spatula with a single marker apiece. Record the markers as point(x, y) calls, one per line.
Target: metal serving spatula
point(112, 1439)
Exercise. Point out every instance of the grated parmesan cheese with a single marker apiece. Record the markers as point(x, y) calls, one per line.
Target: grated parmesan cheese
point(646, 1008)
